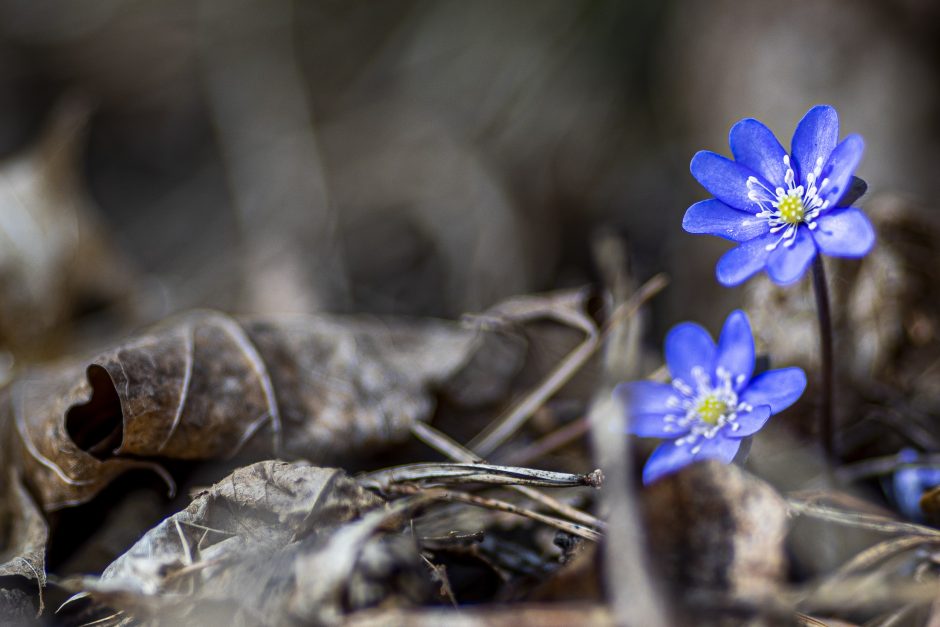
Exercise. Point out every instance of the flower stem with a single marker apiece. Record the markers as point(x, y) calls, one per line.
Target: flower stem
point(825, 350)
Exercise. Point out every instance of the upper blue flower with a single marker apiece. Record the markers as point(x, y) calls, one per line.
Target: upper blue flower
point(712, 402)
point(782, 207)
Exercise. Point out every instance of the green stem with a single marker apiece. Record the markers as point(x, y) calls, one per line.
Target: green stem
point(826, 427)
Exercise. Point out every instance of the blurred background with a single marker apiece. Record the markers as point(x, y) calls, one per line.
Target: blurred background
point(434, 158)
point(399, 156)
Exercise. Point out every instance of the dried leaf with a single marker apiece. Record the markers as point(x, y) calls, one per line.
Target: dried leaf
point(930, 503)
point(354, 568)
point(206, 385)
point(716, 529)
point(272, 544)
point(23, 552)
point(268, 503)
point(25, 534)
point(52, 248)
point(17, 608)
point(578, 579)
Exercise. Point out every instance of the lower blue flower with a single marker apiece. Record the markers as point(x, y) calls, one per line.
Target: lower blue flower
point(713, 401)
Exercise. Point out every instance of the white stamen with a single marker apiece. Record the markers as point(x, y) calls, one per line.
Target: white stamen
point(809, 197)
point(690, 402)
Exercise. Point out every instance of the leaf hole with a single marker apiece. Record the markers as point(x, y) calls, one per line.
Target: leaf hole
point(97, 426)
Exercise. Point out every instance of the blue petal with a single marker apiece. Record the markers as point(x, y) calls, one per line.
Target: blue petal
point(907, 489)
point(665, 460)
point(754, 146)
point(688, 345)
point(725, 179)
point(654, 426)
point(713, 217)
point(787, 264)
point(739, 264)
point(668, 458)
point(929, 476)
point(721, 448)
point(840, 168)
point(908, 455)
point(736, 347)
point(815, 137)
point(910, 483)
point(751, 422)
point(777, 388)
point(844, 233)
point(645, 397)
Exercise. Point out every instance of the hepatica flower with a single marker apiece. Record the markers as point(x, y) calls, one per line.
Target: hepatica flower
point(712, 403)
point(910, 482)
point(783, 208)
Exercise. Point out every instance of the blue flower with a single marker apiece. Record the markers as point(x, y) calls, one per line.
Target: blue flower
point(782, 208)
point(910, 482)
point(712, 402)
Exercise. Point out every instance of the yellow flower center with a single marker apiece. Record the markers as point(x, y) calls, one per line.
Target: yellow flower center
point(791, 209)
point(711, 409)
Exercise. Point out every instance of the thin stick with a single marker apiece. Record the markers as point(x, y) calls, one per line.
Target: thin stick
point(463, 473)
point(825, 350)
point(446, 446)
point(101, 621)
point(881, 551)
point(551, 442)
point(455, 496)
point(443, 444)
point(860, 520)
point(440, 571)
point(878, 466)
point(506, 425)
point(633, 595)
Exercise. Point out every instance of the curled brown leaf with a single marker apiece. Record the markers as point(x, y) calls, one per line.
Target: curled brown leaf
point(206, 385)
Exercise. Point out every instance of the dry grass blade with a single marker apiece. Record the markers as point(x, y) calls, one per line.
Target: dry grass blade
point(551, 442)
point(454, 496)
point(880, 466)
point(563, 306)
point(501, 429)
point(872, 590)
point(633, 596)
point(439, 573)
point(883, 550)
point(105, 621)
point(435, 473)
point(506, 425)
point(872, 522)
point(444, 445)
point(896, 618)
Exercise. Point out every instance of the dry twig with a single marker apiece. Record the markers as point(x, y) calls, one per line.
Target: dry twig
point(454, 496)
point(446, 446)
